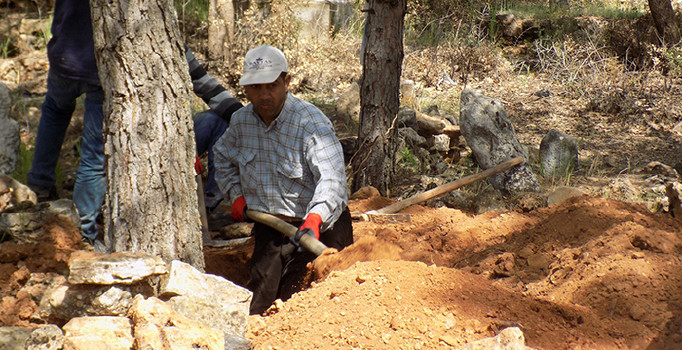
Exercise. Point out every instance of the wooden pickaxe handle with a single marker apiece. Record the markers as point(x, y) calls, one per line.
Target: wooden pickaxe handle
point(308, 242)
point(448, 187)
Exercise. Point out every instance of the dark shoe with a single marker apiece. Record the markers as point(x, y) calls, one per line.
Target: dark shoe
point(45, 194)
point(94, 244)
point(218, 218)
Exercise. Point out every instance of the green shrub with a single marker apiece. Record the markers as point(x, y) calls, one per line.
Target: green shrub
point(194, 10)
point(22, 168)
point(674, 57)
point(407, 159)
point(7, 50)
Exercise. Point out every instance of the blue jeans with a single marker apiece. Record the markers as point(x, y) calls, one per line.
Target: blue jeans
point(57, 110)
point(208, 127)
point(91, 186)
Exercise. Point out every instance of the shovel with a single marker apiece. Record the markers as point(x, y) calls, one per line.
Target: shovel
point(329, 259)
point(388, 214)
point(316, 247)
point(307, 241)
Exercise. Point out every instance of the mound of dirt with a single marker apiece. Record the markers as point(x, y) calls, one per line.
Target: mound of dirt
point(409, 305)
point(367, 248)
point(588, 273)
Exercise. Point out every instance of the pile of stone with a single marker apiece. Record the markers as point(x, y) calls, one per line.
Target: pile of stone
point(132, 301)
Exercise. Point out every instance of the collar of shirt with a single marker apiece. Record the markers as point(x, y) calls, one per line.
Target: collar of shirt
point(284, 116)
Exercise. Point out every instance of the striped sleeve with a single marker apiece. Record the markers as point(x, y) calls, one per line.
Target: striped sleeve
point(210, 90)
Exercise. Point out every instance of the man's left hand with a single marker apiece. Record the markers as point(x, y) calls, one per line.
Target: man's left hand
point(311, 226)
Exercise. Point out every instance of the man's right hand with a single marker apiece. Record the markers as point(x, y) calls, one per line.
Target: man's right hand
point(239, 209)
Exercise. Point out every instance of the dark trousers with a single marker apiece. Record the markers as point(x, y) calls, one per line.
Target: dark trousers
point(278, 268)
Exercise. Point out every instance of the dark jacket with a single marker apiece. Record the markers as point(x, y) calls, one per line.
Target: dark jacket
point(71, 49)
point(71, 52)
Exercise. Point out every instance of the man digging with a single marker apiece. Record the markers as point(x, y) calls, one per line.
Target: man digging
point(281, 156)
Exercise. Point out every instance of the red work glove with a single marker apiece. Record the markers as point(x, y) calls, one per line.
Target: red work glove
point(311, 226)
point(239, 209)
point(198, 167)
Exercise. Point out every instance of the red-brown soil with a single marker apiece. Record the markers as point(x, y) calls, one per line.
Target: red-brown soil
point(588, 273)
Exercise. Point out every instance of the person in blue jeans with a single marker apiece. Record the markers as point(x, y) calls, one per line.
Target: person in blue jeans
point(57, 109)
point(208, 127)
point(72, 73)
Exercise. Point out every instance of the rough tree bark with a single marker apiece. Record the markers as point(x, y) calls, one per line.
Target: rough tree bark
point(151, 203)
point(379, 93)
point(664, 20)
point(220, 29)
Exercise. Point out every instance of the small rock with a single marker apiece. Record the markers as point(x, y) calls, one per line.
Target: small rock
point(441, 143)
point(508, 339)
point(525, 252)
point(48, 337)
point(12, 338)
point(407, 90)
point(538, 261)
point(658, 168)
point(637, 312)
point(365, 193)
point(27, 226)
point(449, 340)
point(558, 153)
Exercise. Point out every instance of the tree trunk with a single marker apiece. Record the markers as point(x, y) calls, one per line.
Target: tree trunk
point(664, 20)
point(382, 59)
point(220, 29)
point(151, 203)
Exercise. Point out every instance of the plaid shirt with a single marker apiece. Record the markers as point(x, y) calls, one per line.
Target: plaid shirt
point(292, 167)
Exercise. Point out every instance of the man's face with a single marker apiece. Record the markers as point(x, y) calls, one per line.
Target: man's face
point(268, 99)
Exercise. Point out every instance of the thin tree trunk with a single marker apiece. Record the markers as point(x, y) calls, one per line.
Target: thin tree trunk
point(379, 93)
point(151, 205)
point(220, 29)
point(664, 20)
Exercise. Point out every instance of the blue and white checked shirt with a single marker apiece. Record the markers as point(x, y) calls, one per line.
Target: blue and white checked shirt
point(292, 167)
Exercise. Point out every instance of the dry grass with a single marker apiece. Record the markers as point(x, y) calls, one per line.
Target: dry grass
point(316, 63)
point(614, 87)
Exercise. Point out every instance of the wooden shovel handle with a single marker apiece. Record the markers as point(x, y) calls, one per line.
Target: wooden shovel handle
point(307, 241)
point(448, 187)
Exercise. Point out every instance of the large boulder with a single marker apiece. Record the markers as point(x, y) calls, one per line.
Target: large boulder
point(491, 137)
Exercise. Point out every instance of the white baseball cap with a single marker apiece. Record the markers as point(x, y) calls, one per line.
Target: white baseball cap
point(262, 65)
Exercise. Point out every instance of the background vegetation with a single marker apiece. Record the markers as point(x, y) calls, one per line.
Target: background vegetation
point(601, 61)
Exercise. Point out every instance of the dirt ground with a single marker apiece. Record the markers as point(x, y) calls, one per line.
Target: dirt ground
point(587, 273)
